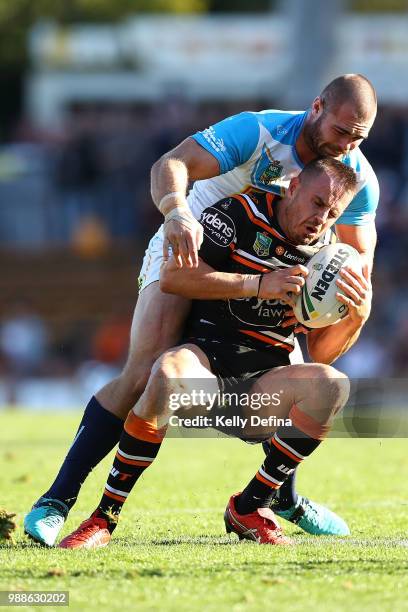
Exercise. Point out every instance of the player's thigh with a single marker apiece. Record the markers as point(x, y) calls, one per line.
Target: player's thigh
point(159, 318)
point(184, 361)
point(157, 325)
point(180, 380)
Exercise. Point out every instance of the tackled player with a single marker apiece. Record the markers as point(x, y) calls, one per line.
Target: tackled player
point(229, 339)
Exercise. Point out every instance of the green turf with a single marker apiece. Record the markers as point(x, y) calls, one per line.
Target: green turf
point(170, 551)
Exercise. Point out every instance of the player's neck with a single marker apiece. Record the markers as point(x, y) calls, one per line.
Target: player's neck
point(304, 152)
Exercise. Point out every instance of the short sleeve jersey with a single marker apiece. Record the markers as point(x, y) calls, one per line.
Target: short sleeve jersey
point(242, 235)
point(257, 149)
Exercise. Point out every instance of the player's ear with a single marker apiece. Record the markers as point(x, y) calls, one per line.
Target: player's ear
point(317, 107)
point(293, 185)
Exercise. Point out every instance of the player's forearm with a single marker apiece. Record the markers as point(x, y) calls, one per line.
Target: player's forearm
point(328, 344)
point(364, 239)
point(205, 283)
point(169, 175)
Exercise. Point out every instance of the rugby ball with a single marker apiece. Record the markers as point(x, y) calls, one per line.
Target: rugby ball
point(317, 305)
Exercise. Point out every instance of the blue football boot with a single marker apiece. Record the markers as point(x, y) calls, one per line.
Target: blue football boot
point(45, 520)
point(314, 518)
point(308, 515)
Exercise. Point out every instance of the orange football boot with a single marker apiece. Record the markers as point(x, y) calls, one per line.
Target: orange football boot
point(260, 526)
point(92, 533)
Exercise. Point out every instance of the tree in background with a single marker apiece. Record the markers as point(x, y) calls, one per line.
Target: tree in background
point(17, 17)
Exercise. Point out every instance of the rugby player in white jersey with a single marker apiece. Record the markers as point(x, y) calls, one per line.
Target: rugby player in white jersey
point(262, 150)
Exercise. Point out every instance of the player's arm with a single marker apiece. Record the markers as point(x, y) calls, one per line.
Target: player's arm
point(170, 176)
point(329, 343)
point(364, 239)
point(214, 151)
point(205, 283)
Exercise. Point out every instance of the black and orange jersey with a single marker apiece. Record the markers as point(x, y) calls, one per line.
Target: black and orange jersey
point(242, 235)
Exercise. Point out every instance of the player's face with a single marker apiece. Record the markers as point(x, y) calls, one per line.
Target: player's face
point(314, 207)
point(336, 133)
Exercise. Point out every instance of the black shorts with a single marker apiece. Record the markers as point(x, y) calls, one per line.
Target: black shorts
point(233, 363)
point(236, 367)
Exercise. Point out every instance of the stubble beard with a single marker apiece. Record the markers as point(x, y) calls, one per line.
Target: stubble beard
point(312, 135)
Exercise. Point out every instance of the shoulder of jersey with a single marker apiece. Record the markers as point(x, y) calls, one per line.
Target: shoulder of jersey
point(360, 164)
point(257, 209)
point(257, 200)
point(284, 126)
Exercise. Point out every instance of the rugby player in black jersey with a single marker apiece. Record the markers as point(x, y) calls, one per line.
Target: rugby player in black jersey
point(245, 332)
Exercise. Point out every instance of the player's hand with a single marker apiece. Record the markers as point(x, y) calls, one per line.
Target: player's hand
point(283, 284)
point(356, 293)
point(184, 234)
point(290, 320)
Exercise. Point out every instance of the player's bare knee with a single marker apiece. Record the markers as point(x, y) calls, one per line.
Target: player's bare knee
point(167, 366)
point(333, 385)
point(170, 369)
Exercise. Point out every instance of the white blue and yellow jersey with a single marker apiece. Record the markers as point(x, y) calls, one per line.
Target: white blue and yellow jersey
point(257, 149)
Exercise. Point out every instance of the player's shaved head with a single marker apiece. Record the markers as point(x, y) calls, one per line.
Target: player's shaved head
point(342, 177)
point(353, 89)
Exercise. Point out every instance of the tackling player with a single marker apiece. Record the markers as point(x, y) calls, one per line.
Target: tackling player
point(262, 150)
point(252, 239)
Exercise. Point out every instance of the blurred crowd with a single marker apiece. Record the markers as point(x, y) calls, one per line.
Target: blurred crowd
point(89, 180)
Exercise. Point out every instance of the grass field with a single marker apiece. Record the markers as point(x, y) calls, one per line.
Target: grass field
point(170, 551)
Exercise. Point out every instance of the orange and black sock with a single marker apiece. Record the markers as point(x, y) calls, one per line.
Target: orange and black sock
point(286, 495)
point(138, 447)
point(289, 446)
